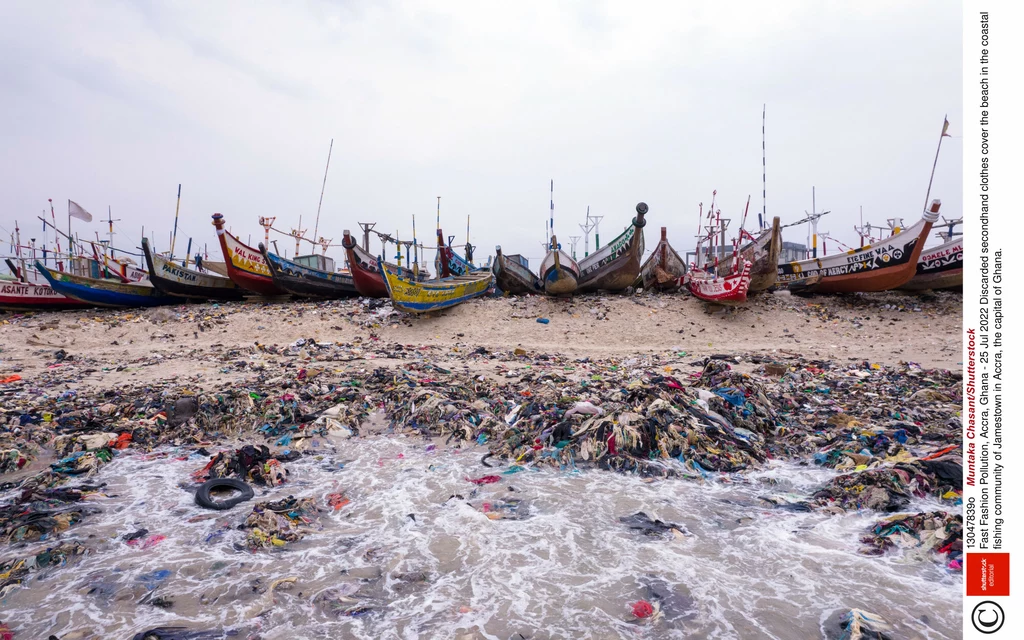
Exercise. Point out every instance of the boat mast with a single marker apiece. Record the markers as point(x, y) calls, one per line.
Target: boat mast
point(596, 221)
point(945, 126)
point(573, 240)
point(17, 250)
point(587, 228)
point(861, 229)
point(553, 215)
point(763, 216)
point(322, 187)
point(415, 250)
point(812, 226)
point(174, 236)
point(53, 219)
point(367, 227)
point(110, 231)
point(297, 234)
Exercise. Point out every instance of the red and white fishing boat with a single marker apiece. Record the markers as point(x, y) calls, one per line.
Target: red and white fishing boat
point(711, 287)
point(710, 279)
point(28, 291)
point(246, 266)
point(29, 296)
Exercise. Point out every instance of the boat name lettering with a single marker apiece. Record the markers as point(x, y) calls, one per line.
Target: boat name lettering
point(869, 255)
point(942, 254)
point(246, 255)
point(28, 290)
point(178, 273)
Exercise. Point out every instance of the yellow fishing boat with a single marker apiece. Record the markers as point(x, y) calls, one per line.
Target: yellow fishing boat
point(433, 295)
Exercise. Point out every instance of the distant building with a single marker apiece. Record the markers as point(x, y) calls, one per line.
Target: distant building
point(792, 252)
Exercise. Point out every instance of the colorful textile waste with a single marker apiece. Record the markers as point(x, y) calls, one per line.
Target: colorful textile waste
point(937, 532)
point(274, 524)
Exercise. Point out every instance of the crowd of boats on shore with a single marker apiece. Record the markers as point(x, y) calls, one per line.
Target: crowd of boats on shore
point(720, 274)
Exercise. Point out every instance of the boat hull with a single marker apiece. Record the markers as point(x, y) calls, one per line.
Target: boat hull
point(123, 271)
point(456, 265)
point(617, 265)
point(559, 282)
point(245, 266)
point(19, 296)
point(728, 290)
point(105, 293)
point(513, 278)
point(181, 282)
point(764, 258)
point(366, 274)
point(663, 269)
point(939, 268)
point(308, 282)
point(881, 266)
point(435, 295)
point(559, 273)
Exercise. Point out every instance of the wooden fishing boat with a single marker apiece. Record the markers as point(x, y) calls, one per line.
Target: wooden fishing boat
point(616, 265)
point(19, 294)
point(105, 293)
point(179, 281)
point(434, 295)
point(711, 287)
point(448, 263)
point(941, 267)
point(246, 266)
point(762, 252)
point(311, 276)
point(366, 274)
point(559, 272)
point(663, 268)
point(124, 270)
point(512, 276)
point(880, 266)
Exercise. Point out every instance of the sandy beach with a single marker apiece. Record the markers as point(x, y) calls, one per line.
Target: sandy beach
point(160, 344)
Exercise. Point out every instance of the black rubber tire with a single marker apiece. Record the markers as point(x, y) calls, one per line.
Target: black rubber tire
point(203, 498)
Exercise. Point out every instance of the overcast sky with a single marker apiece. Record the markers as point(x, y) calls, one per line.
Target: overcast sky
point(482, 103)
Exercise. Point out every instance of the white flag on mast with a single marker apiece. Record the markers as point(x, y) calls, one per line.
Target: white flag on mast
point(75, 210)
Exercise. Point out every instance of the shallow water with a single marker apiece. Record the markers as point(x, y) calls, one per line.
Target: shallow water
point(570, 569)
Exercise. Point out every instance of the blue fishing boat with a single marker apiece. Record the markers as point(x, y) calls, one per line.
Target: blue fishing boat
point(452, 264)
point(309, 276)
point(104, 293)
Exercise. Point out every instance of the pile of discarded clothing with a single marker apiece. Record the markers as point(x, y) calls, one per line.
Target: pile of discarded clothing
point(251, 463)
point(939, 532)
point(274, 524)
point(14, 572)
point(887, 488)
point(14, 458)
